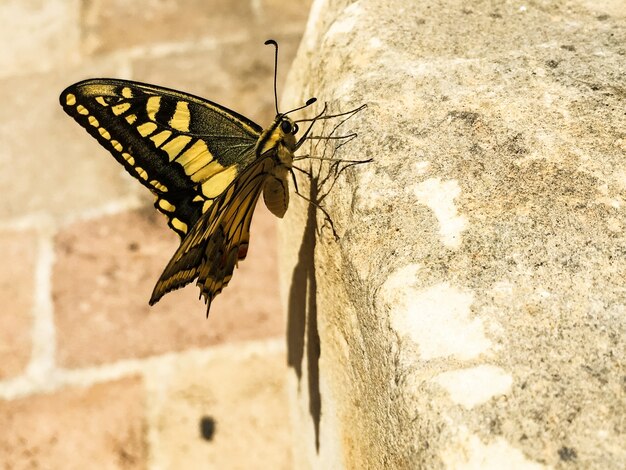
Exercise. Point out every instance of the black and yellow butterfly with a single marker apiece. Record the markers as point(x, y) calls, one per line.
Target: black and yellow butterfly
point(206, 165)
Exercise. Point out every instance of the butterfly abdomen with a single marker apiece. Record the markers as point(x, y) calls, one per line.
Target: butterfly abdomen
point(276, 192)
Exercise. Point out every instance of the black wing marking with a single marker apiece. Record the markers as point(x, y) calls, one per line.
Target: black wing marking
point(219, 240)
point(185, 149)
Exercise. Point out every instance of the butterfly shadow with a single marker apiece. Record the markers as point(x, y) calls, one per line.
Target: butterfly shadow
point(302, 332)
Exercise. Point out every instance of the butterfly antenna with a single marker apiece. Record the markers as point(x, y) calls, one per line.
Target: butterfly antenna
point(309, 102)
point(275, 44)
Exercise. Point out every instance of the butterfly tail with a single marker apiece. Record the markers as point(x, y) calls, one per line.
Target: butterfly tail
point(210, 254)
point(223, 253)
point(184, 265)
point(168, 283)
point(219, 240)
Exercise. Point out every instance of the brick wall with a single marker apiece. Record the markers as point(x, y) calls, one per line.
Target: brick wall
point(90, 376)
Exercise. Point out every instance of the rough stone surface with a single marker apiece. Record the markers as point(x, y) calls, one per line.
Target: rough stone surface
point(104, 315)
point(472, 314)
point(75, 428)
point(17, 287)
point(228, 412)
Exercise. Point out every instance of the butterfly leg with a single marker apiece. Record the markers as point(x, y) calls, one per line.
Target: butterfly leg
point(308, 130)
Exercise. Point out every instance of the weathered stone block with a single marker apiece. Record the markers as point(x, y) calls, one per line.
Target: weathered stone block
point(473, 312)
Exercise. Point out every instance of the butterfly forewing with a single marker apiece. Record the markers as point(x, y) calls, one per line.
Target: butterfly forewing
point(185, 149)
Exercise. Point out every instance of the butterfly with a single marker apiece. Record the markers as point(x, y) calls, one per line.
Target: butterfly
point(205, 164)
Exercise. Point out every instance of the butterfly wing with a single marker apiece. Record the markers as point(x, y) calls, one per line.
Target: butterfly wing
point(185, 149)
point(219, 240)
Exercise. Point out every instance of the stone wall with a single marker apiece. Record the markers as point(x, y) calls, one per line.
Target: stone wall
point(90, 376)
point(472, 314)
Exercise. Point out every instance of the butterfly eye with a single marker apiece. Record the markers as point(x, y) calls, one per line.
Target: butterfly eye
point(295, 129)
point(285, 126)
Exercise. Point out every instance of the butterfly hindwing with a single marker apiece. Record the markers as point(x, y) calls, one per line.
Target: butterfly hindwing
point(185, 149)
point(220, 238)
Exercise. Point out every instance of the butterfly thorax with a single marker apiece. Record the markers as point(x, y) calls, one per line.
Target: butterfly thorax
point(278, 142)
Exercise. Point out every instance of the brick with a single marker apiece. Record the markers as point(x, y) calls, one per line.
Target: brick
point(51, 163)
point(113, 25)
point(37, 36)
point(242, 400)
point(236, 75)
point(118, 259)
point(17, 287)
point(100, 427)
